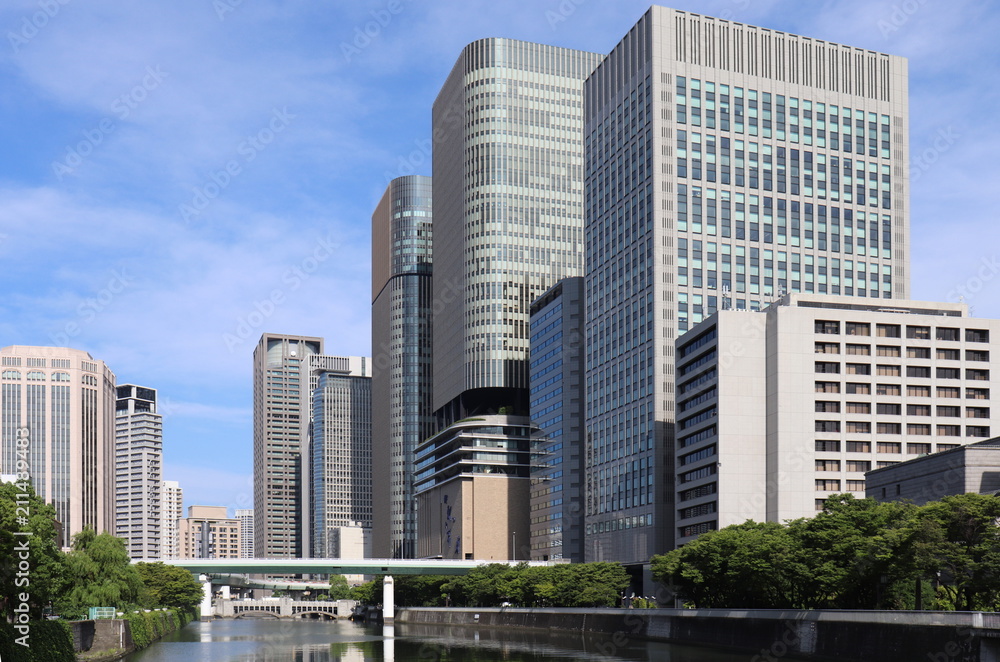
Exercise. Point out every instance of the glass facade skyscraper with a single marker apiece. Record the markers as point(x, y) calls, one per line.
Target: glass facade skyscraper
point(281, 412)
point(340, 451)
point(402, 236)
point(725, 164)
point(62, 402)
point(508, 217)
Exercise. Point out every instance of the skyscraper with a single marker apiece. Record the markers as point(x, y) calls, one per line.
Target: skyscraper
point(401, 369)
point(725, 164)
point(508, 219)
point(138, 471)
point(281, 411)
point(62, 401)
point(340, 449)
point(172, 504)
point(245, 517)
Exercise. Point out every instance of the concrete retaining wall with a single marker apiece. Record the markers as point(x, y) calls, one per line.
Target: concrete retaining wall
point(766, 634)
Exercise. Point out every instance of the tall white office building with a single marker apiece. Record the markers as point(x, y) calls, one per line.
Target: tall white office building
point(245, 518)
point(725, 164)
point(138, 471)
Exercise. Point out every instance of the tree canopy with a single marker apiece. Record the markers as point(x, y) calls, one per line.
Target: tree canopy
point(169, 586)
point(855, 554)
point(98, 574)
point(30, 564)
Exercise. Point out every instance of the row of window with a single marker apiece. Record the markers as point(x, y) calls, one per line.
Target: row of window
point(896, 409)
point(886, 370)
point(912, 429)
point(946, 354)
point(891, 447)
point(912, 390)
point(894, 330)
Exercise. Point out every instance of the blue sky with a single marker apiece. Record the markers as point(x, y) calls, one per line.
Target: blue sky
point(178, 177)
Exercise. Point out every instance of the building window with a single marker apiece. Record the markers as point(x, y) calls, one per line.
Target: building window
point(857, 328)
point(859, 447)
point(918, 429)
point(888, 409)
point(859, 350)
point(827, 367)
point(918, 391)
point(888, 389)
point(949, 392)
point(698, 492)
point(946, 333)
point(918, 410)
point(949, 411)
point(977, 431)
point(827, 465)
point(827, 406)
point(947, 447)
point(918, 371)
point(827, 327)
point(889, 428)
point(827, 426)
point(888, 370)
point(827, 387)
point(977, 335)
point(694, 529)
point(918, 449)
point(827, 446)
point(827, 348)
point(882, 465)
point(855, 486)
point(977, 355)
point(949, 430)
point(918, 352)
point(891, 351)
point(859, 465)
point(949, 373)
point(948, 354)
point(975, 412)
point(977, 374)
point(859, 408)
point(697, 511)
point(859, 427)
point(892, 447)
point(858, 369)
point(827, 485)
point(918, 332)
point(977, 394)
point(887, 330)
point(858, 388)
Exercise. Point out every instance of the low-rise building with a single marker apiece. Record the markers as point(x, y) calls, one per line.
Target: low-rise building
point(972, 468)
point(209, 533)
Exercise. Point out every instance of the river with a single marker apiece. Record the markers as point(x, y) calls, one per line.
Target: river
point(270, 640)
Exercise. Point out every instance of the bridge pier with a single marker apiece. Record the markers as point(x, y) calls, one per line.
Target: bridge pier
point(388, 600)
point(206, 599)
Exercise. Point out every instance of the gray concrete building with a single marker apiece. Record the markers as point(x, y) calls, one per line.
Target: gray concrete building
point(139, 471)
point(59, 405)
point(281, 413)
point(340, 453)
point(974, 468)
point(402, 240)
point(725, 164)
point(508, 225)
point(245, 517)
point(556, 384)
point(777, 410)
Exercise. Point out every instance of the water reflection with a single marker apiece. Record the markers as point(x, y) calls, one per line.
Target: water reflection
point(331, 641)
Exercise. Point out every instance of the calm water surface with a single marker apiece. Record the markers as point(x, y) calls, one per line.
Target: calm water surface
point(260, 640)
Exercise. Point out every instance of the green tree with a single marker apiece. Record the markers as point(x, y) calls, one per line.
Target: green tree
point(749, 565)
point(339, 588)
point(959, 544)
point(369, 593)
point(169, 586)
point(98, 574)
point(22, 511)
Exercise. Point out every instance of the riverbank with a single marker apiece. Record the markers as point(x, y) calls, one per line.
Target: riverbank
point(823, 636)
point(106, 640)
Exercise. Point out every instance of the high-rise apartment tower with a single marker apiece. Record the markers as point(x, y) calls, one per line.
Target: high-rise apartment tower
point(138, 471)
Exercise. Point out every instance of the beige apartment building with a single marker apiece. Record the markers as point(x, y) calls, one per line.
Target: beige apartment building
point(209, 533)
point(777, 410)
